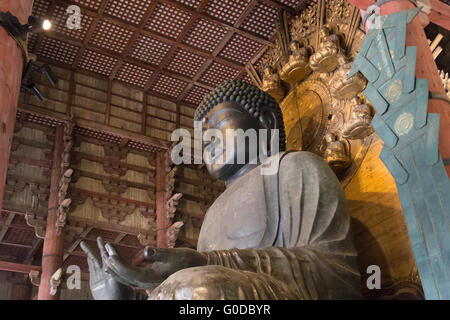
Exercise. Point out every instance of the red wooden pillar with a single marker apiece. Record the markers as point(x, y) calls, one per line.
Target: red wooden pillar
point(11, 65)
point(161, 200)
point(21, 287)
point(425, 66)
point(53, 250)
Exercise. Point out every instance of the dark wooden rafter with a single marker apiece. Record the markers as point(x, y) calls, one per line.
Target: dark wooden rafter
point(227, 25)
point(130, 60)
point(133, 38)
point(76, 242)
point(50, 10)
point(5, 225)
point(90, 32)
point(17, 267)
point(175, 46)
point(219, 48)
point(37, 244)
point(157, 36)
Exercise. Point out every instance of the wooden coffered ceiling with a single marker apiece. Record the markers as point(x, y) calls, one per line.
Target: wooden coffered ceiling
point(180, 49)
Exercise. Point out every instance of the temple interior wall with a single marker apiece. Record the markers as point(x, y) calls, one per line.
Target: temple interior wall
point(380, 232)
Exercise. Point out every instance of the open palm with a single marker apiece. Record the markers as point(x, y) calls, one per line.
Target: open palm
point(103, 285)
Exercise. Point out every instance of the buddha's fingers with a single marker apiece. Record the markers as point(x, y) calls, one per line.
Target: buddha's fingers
point(159, 254)
point(101, 247)
point(92, 257)
point(119, 278)
point(111, 250)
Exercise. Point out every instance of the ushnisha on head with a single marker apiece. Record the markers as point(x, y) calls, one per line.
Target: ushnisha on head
point(237, 104)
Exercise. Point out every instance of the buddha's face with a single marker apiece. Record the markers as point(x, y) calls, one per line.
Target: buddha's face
point(225, 116)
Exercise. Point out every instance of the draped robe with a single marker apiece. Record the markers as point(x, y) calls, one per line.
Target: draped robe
point(280, 236)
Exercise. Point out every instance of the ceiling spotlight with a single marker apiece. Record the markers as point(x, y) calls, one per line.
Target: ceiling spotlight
point(46, 24)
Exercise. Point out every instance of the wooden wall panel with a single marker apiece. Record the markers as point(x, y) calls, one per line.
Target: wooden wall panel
point(94, 171)
point(5, 286)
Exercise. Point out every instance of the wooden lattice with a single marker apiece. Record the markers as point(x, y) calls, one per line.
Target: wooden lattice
point(166, 47)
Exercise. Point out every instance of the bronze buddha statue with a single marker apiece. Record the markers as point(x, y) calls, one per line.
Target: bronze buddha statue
point(285, 235)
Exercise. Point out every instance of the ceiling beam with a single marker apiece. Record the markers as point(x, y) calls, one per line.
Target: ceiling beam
point(133, 38)
point(218, 49)
point(126, 59)
point(34, 249)
point(172, 50)
point(17, 267)
point(18, 245)
point(77, 241)
point(183, 7)
point(224, 24)
point(6, 225)
point(90, 32)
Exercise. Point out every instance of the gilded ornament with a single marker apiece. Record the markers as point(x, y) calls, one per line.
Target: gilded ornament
point(343, 88)
point(358, 126)
point(328, 56)
point(337, 153)
point(297, 68)
point(272, 84)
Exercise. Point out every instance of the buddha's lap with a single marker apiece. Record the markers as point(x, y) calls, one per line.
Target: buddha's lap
point(217, 282)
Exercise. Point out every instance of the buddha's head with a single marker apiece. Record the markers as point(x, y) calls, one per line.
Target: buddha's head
point(238, 105)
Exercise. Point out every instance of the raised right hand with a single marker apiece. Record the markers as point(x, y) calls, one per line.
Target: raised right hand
point(103, 285)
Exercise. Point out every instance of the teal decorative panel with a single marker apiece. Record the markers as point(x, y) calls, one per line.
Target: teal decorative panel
point(410, 150)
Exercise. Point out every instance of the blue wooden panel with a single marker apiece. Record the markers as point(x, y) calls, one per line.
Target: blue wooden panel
point(417, 243)
point(365, 67)
point(432, 139)
point(384, 55)
point(410, 151)
point(386, 134)
point(439, 213)
point(420, 118)
point(399, 48)
point(377, 100)
point(394, 166)
point(409, 78)
point(420, 204)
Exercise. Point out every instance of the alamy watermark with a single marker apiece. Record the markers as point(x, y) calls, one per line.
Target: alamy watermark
point(74, 20)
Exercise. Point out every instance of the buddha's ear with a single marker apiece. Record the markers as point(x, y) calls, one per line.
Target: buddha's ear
point(269, 119)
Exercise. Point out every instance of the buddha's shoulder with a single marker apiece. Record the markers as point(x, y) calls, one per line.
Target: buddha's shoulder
point(298, 163)
point(299, 158)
